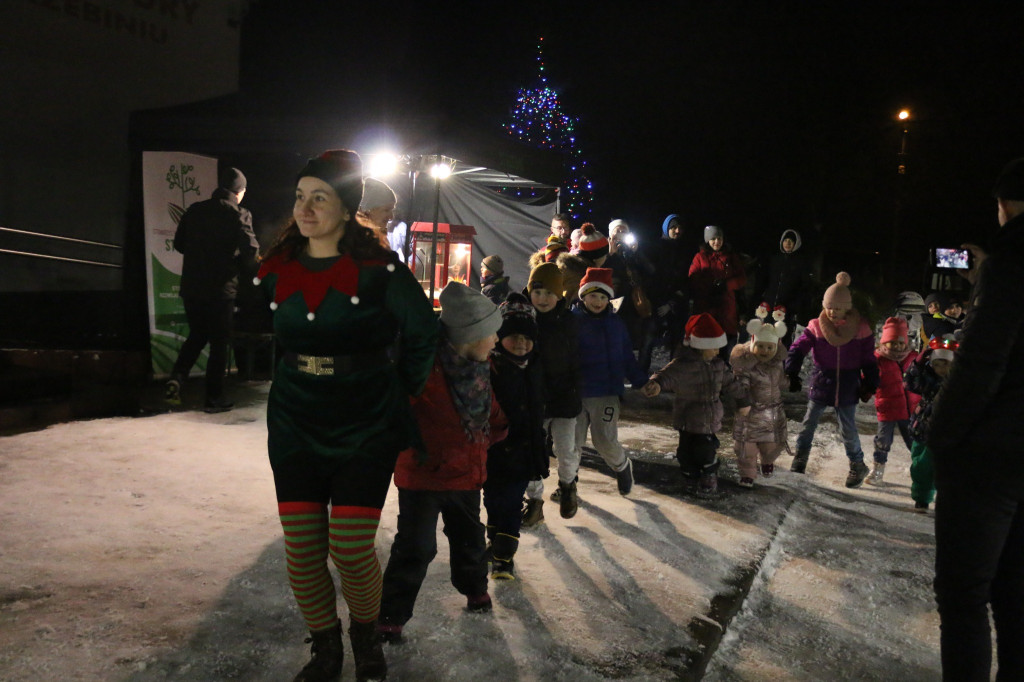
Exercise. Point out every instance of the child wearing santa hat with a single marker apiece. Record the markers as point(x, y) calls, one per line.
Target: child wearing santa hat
point(758, 366)
point(606, 358)
point(699, 378)
point(842, 347)
point(925, 377)
point(893, 402)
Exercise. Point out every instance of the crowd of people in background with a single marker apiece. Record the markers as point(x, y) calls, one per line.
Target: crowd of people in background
point(372, 385)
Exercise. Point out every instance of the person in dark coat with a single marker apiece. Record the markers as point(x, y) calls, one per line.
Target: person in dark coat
point(493, 282)
point(216, 241)
point(788, 282)
point(518, 381)
point(975, 437)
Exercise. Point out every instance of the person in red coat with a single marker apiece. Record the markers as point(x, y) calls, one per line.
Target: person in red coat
point(894, 404)
point(459, 419)
point(716, 273)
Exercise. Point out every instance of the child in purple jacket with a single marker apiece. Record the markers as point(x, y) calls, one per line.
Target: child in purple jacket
point(842, 347)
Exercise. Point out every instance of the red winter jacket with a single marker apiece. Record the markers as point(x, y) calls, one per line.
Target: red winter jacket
point(451, 460)
point(893, 402)
point(723, 266)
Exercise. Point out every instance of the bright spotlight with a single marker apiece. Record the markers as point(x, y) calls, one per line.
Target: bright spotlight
point(904, 115)
point(440, 171)
point(383, 165)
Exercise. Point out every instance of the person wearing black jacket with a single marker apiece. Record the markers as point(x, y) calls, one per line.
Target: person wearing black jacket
point(976, 437)
point(216, 239)
point(518, 382)
point(788, 282)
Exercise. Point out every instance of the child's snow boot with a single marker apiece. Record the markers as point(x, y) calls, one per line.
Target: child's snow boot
point(624, 478)
point(533, 514)
point(366, 649)
point(858, 472)
point(172, 390)
point(707, 485)
point(746, 482)
point(568, 502)
point(389, 633)
point(799, 465)
point(504, 549)
point(767, 470)
point(921, 507)
point(876, 475)
point(328, 654)
point(480, 603)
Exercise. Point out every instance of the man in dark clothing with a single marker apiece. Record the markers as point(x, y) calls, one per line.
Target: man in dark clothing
point(976, 438)
point(215, 237)
point(787, 282)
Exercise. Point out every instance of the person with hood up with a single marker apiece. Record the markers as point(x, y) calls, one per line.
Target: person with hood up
point(788, 281)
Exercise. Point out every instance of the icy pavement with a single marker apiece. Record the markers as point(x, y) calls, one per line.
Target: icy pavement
point(149, 549)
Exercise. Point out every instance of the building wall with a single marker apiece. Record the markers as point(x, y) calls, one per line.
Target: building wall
point(71, 72)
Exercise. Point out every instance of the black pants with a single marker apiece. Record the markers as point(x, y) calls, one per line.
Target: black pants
point(696, 452)
point(503, 501)
point(209, 322)
point(415, 546)
point(979, 560)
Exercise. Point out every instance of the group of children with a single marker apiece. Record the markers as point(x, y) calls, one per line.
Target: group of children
point(512, 380)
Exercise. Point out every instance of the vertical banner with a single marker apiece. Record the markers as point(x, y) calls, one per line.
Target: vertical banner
point(171, 182)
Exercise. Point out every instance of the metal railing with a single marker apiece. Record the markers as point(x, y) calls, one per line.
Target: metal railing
point(46, 256)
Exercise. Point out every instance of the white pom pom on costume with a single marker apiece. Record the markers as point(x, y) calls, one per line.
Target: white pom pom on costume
point(273, 305)
point(780, 328)
point(310, 316)
point(391, 267)
point(355, 300)
point(754, 326)
point(256, 281)
point(843, 278)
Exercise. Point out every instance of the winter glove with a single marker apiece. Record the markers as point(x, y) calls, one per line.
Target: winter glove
point(866, 393)
point(664, 310)
point(794, 383)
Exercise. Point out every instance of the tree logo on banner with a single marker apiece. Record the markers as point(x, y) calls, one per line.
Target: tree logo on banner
point(178, 176)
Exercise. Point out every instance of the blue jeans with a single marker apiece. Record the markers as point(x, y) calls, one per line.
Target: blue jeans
point(847, 427)
point(883, 441)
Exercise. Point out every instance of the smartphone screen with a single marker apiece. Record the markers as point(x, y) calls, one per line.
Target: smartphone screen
point(957, 259)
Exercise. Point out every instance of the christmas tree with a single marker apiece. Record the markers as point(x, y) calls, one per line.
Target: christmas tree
point(538, 119)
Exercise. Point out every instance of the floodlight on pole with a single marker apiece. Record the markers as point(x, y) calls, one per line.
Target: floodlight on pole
point(903, 115)
point(383, 165)
point(439, 171)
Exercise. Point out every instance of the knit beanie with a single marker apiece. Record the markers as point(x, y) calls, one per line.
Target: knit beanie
point(231, 179)
point(713, 232)
point(616, 223)
point(838, 295)
point(467, 315)
point(704, 333)
point(342, 169)
point(546, 276)
point(667, 223)
point(555, 245)
point(942, 349)
point(494, 264)
point(518, 316)
point(593, 244)
point(894, 329)
point(1010, 184)
point(937, 298)
point(376, 194)
point(597, 279)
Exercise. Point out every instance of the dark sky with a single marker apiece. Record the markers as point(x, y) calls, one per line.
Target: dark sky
point(754, 116)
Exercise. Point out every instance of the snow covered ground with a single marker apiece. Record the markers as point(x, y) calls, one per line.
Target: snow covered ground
point(149, 549)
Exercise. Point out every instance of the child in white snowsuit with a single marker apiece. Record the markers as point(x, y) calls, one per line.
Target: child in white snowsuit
point(758, 366)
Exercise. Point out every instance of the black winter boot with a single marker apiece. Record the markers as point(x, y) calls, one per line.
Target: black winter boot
point(568, 502)
point(366, 649)
point(328, 655)
point(504, 546)
point(800, 461)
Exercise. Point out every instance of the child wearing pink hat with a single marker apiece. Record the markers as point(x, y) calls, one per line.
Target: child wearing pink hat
point(894, 404)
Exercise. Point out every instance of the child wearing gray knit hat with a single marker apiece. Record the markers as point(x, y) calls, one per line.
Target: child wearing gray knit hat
point(467, 315)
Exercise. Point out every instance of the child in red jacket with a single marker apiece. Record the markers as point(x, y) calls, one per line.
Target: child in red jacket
point(894, 404)
point(459, 418)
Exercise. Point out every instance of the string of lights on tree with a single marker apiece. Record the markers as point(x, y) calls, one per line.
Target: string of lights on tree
point(538, 119)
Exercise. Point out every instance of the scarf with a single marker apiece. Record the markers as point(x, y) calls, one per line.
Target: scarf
point(470, 385)
point(897, 357)
point(842, 332)
point(520, 362)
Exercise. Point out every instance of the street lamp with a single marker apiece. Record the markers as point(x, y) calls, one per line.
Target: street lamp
point(904, 116)
point(439, 171)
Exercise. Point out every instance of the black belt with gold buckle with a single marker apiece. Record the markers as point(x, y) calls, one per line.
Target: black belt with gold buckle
point(329, 365)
